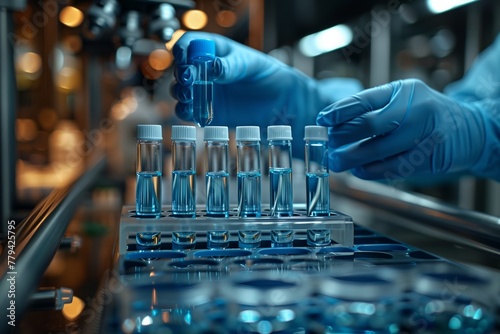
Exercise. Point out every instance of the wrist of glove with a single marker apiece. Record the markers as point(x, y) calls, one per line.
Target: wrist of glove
point(405, 129)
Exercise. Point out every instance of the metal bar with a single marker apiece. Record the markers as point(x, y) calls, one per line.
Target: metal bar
point(7, 117)
point(477, 229)
point(37, 242)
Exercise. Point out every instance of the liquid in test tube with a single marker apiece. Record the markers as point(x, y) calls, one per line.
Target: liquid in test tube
point(317, 183)
point(280, 180)
point(249, 181)
point(248, 170)
point(217, 181)
point(148, 187)
point(201, 54)
point(184, 171)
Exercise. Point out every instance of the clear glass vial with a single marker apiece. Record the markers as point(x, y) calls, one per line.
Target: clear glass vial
point(201, 54)
point(148, 170)
point(316, 160)
point(217, 170)
point(149, 175)
point(217, 181)
point(248, 170)
point(280, 169)
point(184, 171)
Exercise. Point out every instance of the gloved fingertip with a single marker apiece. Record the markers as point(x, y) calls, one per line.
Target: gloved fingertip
point(217, 68)
point(183, 111)
point(323, 119)
point(359, 172)
point(334, 162)
point(184, 74)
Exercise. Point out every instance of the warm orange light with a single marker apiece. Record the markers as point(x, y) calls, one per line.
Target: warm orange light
point(47, 118)
point(29, 62)
point(175, 37)
point(226, 18)
point(149, 72)
point(26, 129)
point(195, 19)
point(68, 79)
point(72, 43)
point(160, 60)
point(71, 16)
point(72, 310)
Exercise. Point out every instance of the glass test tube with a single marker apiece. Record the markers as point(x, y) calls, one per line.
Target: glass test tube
point(183, 180)
point(280, 180)
point(317, 186)
point(217, 181)
point(148, 188)
point(201, 54)
point(249, 180)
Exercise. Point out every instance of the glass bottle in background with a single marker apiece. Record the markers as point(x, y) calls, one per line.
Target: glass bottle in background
point(149, 174)
point(201, 54)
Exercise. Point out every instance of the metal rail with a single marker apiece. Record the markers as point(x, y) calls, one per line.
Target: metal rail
point(476, 229)
point(37, 240)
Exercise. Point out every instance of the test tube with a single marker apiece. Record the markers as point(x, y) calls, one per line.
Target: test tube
point(148, 188)
point(201, 54)
point(183, 171)
point(317, 186)
point(249, 180)
point(216, 177)
point(248, 170)
point(280, 180)
point(216, 181)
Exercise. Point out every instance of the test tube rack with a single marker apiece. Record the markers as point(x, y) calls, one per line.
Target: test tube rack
point(360, 281)
point(339, 225)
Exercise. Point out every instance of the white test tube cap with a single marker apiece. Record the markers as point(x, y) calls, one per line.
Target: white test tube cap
point(149, 132)
point(279, 132)
point(315, 132)
point(183, 132)
point(247, 133)
point(216, 133)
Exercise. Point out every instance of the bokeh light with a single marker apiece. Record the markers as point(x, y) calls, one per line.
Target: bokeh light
point(71, 16)
point(226, 18)
point(195, 19)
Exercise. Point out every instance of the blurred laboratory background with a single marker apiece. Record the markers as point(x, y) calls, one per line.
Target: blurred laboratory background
point(86, 72)
point(77, 76)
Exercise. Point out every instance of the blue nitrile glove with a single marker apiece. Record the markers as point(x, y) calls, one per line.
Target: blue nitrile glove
point(405, 129)
point(482, 79)
point(252, 88)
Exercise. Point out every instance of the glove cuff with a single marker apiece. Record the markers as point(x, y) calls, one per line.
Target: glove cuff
point(488, 164)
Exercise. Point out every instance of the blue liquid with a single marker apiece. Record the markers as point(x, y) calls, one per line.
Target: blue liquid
point(249, 194)
point(217, 194)
point(148, 194)
point(183, 193)
point(281, 191)
point(318, 194)
point(203, 102)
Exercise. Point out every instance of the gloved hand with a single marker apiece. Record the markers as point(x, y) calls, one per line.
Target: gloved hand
point(252, 88)
point(405, 129)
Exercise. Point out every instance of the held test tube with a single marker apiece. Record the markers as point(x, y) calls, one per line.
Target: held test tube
point(249, 180)
point(217, 181)
point(280, 180)
point(317, 186)
point(149, 173)
point(201, 54)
